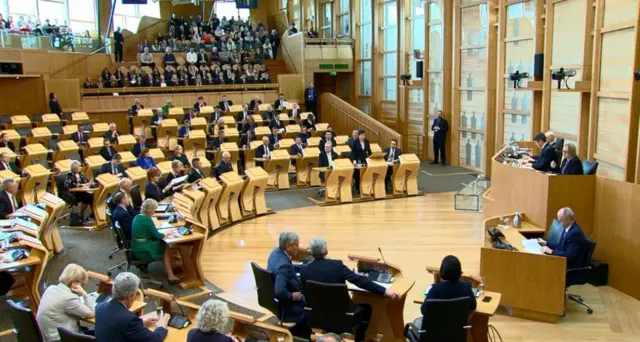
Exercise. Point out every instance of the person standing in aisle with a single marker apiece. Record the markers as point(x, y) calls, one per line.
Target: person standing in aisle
point(119, 44)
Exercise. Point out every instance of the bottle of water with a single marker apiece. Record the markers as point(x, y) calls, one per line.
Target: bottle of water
point(481, 287)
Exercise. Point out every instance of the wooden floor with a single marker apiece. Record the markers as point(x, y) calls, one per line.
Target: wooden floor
point(413, 233)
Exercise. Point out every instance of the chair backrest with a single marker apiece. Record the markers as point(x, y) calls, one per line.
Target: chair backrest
point(125, 243)
point(580, 274)
point(69, 336)
point(328, 307)
point(25, 324)
point(555, 232)
point(589, 167)
point(136, 197)
point(446, 320)
point(591, 247)
point(265, 286)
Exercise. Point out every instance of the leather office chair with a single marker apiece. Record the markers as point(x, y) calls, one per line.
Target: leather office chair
point(589, 167)
point(555, 232)
point(136, 197)
point(119, 245)
point(69, 336)
point(579, 275)
point(446, 320)
point(266, 289)
point(25, 325)
point(328, 307)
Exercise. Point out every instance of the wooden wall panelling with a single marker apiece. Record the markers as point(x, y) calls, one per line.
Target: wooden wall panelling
point(19, 96)
point(67, 92)
point(540, 43)
point(454, 119)
point(635, 104)
point(148, 30)
point(293, 52)
point(415, 130)
point(292, 86)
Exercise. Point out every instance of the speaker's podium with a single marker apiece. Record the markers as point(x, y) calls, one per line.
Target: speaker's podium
point(278, 169)
point(228, 205)
point(540, 195)
point(305, 175)
point(168, 134)
point(387, 316)
point(372, 179)
point(252, 199)
point(142, 123)
point(338, 181)
point(405, 177)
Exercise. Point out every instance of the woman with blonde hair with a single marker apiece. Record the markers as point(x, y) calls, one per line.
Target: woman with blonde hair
point(64, 304)
point(211, 321)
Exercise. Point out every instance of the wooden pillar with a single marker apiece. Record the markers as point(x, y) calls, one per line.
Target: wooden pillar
point(376, 64)
point(454, 114)
point(402, 92)
point(546, 84)
point(492, 79)
point(537, 108)
point(447, 74)
point(502, 56)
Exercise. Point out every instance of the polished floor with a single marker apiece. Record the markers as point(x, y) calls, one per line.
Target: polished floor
point(413, 233)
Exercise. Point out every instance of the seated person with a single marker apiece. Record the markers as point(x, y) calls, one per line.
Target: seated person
point(244, 114)
point(297, 149)
point(571, 164)
point(304, 135)
point(80, 137)
point(254, 105)
point(203, 59)
point(353, 137)
point(573, 242)
point(169, 58)
point(76, 179)
point(294, 114)
point(136, 106)
point(195, 173)
point(8, 200)
point(330, 271)
point(147, 243)
point(276, 123)
point(144, 160)
point(107, 151)
point(215, 116)
point(151, 188)
point(219, 140)
point(178, 155)
point(114, 321)
point(547, 154)
point(146, 59)
point(65, 304)
point(224, 166)
point(274, 137)
point(224, 104)
point(6, 164)
point(114, 167)
point(211, 322)
point(280, 102)
point(263, 151)
point(391, 155)
point(327, 138)
point(192, 57)
point(450, 286)
point(177, 170)
point(5, 142)
point(123, 213)
point(139, 146)
point(124, 186)
point(199, 104)
point(183, 131)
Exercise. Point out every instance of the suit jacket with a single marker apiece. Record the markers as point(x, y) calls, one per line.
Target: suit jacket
point(5, 205)
point(323, 161)
point(287, 283)
point(223, 107)
point(80, 140)
point(294, 149)
point(571, 166)
point(11, 167)
point(108, 135)
point(324, 141)
point(59, 307)
point(335, 272)
point(8, 144)
point(278, 103)
point(105, 153)
point(440, 135)
point(194, 175)
point(572, 245)
point(106, 168)
point(183, 131)
point(450, 290)
point(124, 217)
point(196, 335)
point(310, 94)
point(397, 153)
point(543, 162)
point(261, 153)
point(240, 116)
point(221, 168)
point(273, 139)
point(137, 149)
point(296, 116)
point(183, 159)
point(275, 122)
point(114, 322)
point(358, 153)
point(253, 105)
point(153, 191)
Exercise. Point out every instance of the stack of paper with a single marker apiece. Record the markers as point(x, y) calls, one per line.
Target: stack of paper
point(532, 246)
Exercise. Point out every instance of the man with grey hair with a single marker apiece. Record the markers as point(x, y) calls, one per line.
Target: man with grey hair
point(331, 271)
point(8, 202)
point(329, 337)
point(114, 321)
point(5, 163)
point(288, 286)
point(224, 166)
point(573, 242)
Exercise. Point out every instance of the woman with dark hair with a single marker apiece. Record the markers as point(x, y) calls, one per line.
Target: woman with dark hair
point(450, 285)
point(54, 105)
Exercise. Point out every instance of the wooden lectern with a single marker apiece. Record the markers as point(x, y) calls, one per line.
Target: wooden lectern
point(93, 146)
point(168, 134)
point(341, 139)
point(127, 158)
point(93, 162)
point(50, 235)
point(250, 153)
point(278, 169)
point(142, 122)
point(228, 207)
point(338, 181)
point(79, 117)
point(50, 119)
point(125, 142)
point(34, 183)
point(188, 200)
point(67, 131)
point(292, 131)
point(99, 129)
point(314, 142)
point(208, 213)
point(304, 168)
point(199, 123)
point(33, 153)
point(164, 167)
point(138, 177)
point(65, 149)
point(206, 111)
point(387, 317)
point(195, 144)
point(405, 179)
point(285, 143)
point(176, 113)
point(33, 267)
point(107, 184)
point(18, 121)
point(40, 135)
point(156, 154)
point(261, 132)
point(372, 179)
point(13, 135)
point(252, 198)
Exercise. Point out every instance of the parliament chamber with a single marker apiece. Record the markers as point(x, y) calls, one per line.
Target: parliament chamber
point(348, 170)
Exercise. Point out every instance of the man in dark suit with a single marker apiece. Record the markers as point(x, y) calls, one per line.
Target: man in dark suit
point(114, 321)
point(276, 123)
point(114, 167)
point(547, 154)
point(360, 150)
point(5, 142)
point(199, 104)
point(263, 151)
point(244, 114)
point(80, 137)
point(440, 127)
point(183, 131)
point(571, 164)
point(139, 146)
point(296, 149)
point(224, 166)
point(254, 105)
point(215, 116)
point(107, 152)
point(391, 155)
point(5, 163)
point(288, 287)
point(330, 271)
point(225, 105)
point(274, 137)
point(311, 99)
point(326, 159)
point(327, 138)
point(134, 108)
point(8, 201)
point(353, 137)
point(219, 140)
point(280, 102)
point(112, 134)
point(294, 114)
point(195, 174)
point(573, 242)
point(118, 39)
point(123, 213)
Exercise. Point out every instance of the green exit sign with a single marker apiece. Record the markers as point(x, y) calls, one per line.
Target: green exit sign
point(326, 66)
point(342, 66)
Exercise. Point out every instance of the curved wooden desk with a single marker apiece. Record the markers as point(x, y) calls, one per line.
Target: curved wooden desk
point(252, 200)
point(34, 184)
point(208, 214)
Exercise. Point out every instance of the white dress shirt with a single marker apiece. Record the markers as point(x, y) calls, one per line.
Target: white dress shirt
point(192, 57)
point(391, 154)
point(330, 159)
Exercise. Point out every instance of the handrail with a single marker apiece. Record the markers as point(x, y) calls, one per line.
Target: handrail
point(286, 53)
point(143, 30)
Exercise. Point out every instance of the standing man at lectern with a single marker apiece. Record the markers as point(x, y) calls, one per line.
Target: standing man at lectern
point(360, 150)
point(573, 242)
point(440, 128)
point(288, 286)
point(391, 155)
point(263, 151)
point(330, 271)
point(326, 159)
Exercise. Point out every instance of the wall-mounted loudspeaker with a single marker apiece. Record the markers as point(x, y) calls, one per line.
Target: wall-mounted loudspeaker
point(538, 65)
point(419, 66)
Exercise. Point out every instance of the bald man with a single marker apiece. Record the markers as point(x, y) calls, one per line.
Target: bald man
point(224, 166)
point(263, 151)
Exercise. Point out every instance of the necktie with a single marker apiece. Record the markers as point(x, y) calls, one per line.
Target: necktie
point(330, 159)
point(80, 136)
point(267, 149)
point(300, 148)
point(109, 150)
point(113, 169)
point(566, 166)
point(13, 204)
point(391, 155)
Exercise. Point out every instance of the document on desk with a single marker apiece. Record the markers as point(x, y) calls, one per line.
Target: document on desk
point(352, 287)
point(532, 246)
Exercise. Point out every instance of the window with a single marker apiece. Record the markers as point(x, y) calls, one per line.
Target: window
point(390, 14)
point(417, 26)
point(53, 10)
point(128, 16)
point(390, 61)
point(19, 8)
point(283, 4)
point(82, 15)
point(344, 18)
point(365, 41)
point(365, 11)
point(344, 25)
point(365, 78)
point(365, 106)
point(389, 91)
point(390, 28)
point(228, 9)
point(344, 6)
point(326, 29)
point(296, 14)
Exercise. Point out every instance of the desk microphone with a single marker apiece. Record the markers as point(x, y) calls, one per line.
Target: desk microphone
point(384, 261)
point(384, 277)
point(178, 322)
